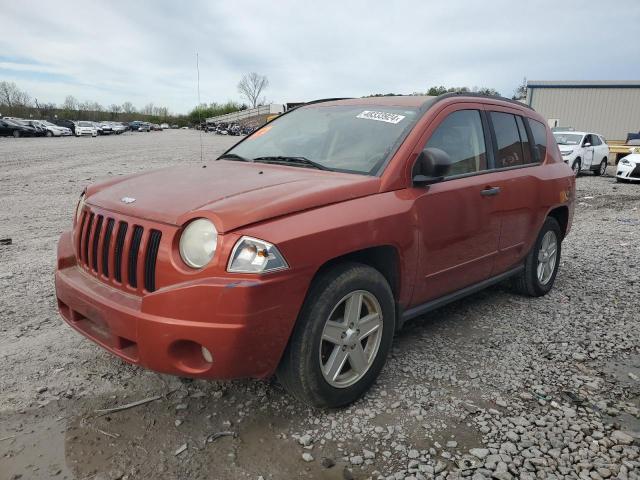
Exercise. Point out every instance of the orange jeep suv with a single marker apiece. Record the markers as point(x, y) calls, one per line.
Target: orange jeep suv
point(303, 248)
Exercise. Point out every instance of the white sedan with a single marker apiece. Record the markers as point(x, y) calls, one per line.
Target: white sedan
point(583, 151)
point(86, 128)
point(54, 130)
point(628, 168)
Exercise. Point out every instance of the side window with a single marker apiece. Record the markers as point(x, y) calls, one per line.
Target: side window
point(595, 140)
point(524, 138)
point(587, 139)
point(539, 132)
point(508, 142)
point(462, 137)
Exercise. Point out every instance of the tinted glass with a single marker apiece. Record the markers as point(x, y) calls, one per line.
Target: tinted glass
point(524, 138)
point(595, 140)
point(507, 140)
point(587, 139)
point(348, 138)
point(462, 137)
point(539, 132)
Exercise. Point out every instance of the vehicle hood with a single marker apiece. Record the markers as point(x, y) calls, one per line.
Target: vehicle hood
point(568, 148)
point(231, 193)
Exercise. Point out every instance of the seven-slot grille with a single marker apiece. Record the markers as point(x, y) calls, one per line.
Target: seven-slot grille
point(121, 252)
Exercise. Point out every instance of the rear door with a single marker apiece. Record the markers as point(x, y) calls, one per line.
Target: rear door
point(458, 219)
point(518, 156)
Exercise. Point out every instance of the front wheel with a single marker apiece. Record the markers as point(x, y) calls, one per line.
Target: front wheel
point(541, 264)
point(16, 134)
point(49, 133)
point(342, 337)
point(602, 169)
point(576, 167)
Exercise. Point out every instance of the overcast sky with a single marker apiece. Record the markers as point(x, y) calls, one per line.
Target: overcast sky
point(142, 51)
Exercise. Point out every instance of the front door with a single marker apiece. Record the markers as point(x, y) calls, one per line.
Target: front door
point(587, 145)
point(458, 220)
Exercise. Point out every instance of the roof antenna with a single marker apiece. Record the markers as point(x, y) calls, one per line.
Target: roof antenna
point(199, 106)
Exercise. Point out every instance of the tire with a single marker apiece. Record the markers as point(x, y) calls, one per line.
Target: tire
point(49, 134)
point(16, 134)
point(602, 168)
point(528, 282)
point(576, 166)
point(301, 367)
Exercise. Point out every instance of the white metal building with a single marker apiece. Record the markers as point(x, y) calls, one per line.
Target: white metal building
point(610, 108)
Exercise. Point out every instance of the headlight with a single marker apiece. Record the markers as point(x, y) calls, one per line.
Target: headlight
point(624, 161)
point(79, 207)
point(565, 153)
point(251, 255)
point(198, 243)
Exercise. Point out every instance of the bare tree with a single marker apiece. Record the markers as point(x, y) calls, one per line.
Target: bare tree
point(520, 93)
point(12, 96)
point(70, 103)
point(251, 87)
point(127, 107)
point(147, 109)
point(115, 109)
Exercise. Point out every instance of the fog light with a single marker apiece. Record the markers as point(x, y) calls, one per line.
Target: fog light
point(206, 354)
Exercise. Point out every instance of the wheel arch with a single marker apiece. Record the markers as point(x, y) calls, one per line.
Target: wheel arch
point(561, 215)
point(384, 258)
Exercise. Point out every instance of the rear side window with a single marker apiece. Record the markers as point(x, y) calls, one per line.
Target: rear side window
point(508, 143)
point(595, 140)
point(539, 132)
point(524, 138)
point(462, 137)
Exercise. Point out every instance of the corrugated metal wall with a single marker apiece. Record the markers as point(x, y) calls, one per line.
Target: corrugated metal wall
point(612, 112)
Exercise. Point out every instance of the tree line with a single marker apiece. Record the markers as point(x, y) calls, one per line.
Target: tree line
point(15, 102)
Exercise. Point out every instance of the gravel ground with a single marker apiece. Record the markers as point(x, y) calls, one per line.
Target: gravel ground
point(494, 386)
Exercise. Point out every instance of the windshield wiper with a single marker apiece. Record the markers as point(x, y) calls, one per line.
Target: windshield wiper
point(298, 161)
point(233, 156)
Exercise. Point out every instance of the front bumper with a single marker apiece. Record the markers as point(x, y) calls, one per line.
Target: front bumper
point(244, 324)
point(628, 172)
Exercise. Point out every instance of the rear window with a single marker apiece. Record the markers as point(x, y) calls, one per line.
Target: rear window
point(539, 132)
point(508, 143)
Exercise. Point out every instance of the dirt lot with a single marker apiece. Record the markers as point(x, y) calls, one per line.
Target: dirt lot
point(496, 385)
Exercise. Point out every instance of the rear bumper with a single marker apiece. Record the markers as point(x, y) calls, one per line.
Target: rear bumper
point(244, 324)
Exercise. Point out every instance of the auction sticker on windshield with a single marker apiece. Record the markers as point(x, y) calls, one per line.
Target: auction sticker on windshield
point(381, 116)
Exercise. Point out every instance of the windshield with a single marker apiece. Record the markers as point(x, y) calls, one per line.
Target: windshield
point(345, 138)
point(85, 124)
point(48, 124)
point(567, 138)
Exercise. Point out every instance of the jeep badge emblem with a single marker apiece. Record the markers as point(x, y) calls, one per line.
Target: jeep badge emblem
point(127, 199)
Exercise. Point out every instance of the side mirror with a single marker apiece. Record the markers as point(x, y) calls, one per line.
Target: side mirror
point(587, 145)
point(432, 165)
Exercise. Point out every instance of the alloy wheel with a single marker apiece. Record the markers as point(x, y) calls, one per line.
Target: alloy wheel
point(547, 257)
point(350, 339)
point(603, 168)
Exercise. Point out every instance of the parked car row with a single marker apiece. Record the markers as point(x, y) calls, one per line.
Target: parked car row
point(228, 128)
point(19, 127)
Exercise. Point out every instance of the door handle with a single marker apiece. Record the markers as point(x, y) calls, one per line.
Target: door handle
point(490, 191)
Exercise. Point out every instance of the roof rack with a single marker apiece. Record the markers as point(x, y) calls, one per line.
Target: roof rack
point(482, 95)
